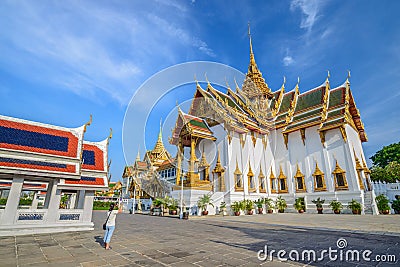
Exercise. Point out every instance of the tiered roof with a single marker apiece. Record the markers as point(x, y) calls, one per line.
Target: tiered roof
point(248, 110)
point(41, 150)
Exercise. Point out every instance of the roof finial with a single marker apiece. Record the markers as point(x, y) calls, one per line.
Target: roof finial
point(298, 79)
point(88, 123)
point(205, 75)
point(328, 76)
point(348, 77)
point(237, 86)
point(252, 60)
point(160, 133)
point(138, 154)
point(284, 79)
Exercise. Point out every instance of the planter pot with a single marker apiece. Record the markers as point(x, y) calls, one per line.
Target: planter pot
point(260, 210)
point(385, 212)
point(250, 212)
point(270, 211)
point(336, 211)
point(237, 213)
point(173, 212)
point(320, 210)
point(281, 211)
point(204, 212)
point(356, 211)
point(301, 211)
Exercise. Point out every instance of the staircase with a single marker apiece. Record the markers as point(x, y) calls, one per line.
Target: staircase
point(369, 203)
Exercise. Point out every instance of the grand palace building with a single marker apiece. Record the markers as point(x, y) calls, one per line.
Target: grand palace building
point(289, 143)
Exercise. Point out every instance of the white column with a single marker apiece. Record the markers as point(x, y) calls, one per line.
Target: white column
point(72, 201)
point(10, 211)
point(81, 199)
point(35, 201)
point(88, 206)
point(54, 202)
point(47, 198)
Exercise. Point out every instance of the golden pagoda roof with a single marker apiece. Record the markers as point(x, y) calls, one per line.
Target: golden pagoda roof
point(281, 174)
point(298, 172)
point(254, 77)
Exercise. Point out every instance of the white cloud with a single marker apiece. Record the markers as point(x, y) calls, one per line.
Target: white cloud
point(309, 8)
point(287, 60)
point(107, 52)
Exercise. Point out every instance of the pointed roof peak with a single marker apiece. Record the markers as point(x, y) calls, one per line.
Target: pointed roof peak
point(138, 154)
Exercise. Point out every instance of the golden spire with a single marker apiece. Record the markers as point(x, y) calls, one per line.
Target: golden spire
point(252, 60)
point(250, 173)
point(218, 166)
point(138, 154)
point(298, 172)
point(358, 164)
point(261, 175)
point(272, 175)
point(281, 174)
point(255, 75)
point(159, 152)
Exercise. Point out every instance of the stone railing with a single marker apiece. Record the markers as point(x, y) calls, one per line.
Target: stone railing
point(388, 189)
point(30, 216)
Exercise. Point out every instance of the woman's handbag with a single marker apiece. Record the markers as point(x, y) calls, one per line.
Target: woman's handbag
point(105, 224)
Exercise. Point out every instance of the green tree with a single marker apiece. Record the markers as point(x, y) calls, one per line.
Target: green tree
point(387, 154)
point(389, 174)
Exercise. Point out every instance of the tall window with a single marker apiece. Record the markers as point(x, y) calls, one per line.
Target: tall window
point(282, 182)
point(250, 177)
point(319, 181)
point(299, 180)
point(238, 178)
point(340, 178)
point(273, 182)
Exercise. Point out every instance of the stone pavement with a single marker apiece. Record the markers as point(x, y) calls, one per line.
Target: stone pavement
point(141, 240)
point(379, 224)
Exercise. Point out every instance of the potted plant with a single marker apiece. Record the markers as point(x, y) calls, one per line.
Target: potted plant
point(236, 207)
point(299, 205)
point(318, 202)
point(222, 208)
point(269, 204)
point(248, 205)
point(259, 203)
point(396, 206)
point(355, 206)
point(280, 204)
point(336, 206)
point(173, 206)
point(382, 202)
point(203, 203)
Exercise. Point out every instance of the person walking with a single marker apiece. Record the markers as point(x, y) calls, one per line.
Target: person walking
point(110, 223)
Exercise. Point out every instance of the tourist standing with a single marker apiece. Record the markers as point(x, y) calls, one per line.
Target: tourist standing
point(110, 223)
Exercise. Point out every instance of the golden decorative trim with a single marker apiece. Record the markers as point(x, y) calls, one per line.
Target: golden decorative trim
point(265, 141)
point(343, 132)
point(322, 137)
point(254, 138)
point(229, 137)
point(303, 135)
point(286, 139)
point(88, 123)
point(242, 138)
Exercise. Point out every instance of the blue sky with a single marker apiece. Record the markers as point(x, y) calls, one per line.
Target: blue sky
point(61, 61)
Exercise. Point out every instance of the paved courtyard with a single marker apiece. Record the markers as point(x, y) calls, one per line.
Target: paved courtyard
point(141, 240)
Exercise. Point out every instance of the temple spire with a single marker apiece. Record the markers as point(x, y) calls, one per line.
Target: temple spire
point(138, 154)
